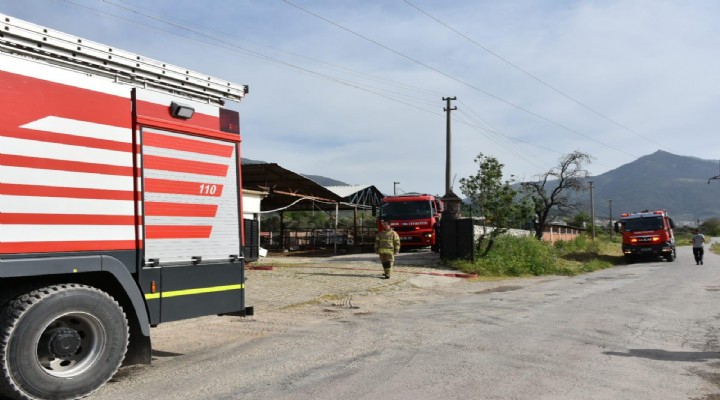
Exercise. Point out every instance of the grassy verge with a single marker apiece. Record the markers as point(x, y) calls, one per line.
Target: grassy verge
point(525, 256)
point(715, 248)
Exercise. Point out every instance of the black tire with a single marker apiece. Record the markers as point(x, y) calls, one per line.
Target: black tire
point(629, 259)
point(60, 342)
point(670, 257)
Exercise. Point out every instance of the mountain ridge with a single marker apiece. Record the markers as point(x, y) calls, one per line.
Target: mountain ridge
point(661, 180)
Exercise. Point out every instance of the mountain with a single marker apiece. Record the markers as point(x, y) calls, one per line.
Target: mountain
point(662, 180)
point(320, 180)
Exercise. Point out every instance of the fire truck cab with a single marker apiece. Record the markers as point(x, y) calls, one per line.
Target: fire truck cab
point(415, 217)
point(647, 234)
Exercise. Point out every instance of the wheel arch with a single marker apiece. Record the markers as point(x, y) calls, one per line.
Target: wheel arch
point(103, 272)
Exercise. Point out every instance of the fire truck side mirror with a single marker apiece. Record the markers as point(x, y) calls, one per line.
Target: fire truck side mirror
point(616, 227)
point(672, 223)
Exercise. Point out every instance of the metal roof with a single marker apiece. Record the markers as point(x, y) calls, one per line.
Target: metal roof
point(285, 188)
point(364, 195)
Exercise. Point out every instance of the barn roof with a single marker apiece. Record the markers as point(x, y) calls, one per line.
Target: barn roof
point(364, 195)
point(286, 189)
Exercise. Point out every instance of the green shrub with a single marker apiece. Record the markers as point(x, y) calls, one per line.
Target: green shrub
point(513, 256)
point(715, 248)
point(525, 256)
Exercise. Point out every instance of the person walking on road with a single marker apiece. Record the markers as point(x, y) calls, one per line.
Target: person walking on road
point(698, 240)
point(387, 245)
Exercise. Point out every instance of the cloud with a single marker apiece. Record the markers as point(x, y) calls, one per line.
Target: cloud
point(357, 96)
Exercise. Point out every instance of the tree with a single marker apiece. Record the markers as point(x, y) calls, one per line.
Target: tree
point(580, 220)
point(711, 227)
point(494, 199)
point(552, 188)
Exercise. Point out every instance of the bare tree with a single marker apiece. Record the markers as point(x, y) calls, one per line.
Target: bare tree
point(553, 187)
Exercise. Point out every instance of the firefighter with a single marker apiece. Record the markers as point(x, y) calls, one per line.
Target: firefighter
point(387, 244)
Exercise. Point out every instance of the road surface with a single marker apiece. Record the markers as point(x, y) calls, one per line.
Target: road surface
point(643, 331)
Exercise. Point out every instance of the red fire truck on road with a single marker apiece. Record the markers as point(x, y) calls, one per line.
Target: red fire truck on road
point(120, 207)
point(415, 217)
point(647, 233)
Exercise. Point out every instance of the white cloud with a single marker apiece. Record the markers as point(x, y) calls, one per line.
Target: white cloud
point(648, 65)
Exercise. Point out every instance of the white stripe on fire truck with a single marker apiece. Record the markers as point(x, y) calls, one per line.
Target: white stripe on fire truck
point(68, 77)
point(65, 233)
point(81, 128)
point(56, 151)
point(31, 176)
point(61, 205)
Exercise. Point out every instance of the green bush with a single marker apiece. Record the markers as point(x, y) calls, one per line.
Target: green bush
point(526, 256)
point(715, 248)
point(513, 256)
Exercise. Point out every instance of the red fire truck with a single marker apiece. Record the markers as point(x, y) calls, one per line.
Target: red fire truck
point(120, 207)
point(415, 217)
point(647, 233)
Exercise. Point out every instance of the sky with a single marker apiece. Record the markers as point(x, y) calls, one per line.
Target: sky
point(354, 90)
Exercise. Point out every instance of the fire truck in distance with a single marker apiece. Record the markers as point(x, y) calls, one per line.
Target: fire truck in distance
point(647, 233)
point(415, 217)
point(120, 207)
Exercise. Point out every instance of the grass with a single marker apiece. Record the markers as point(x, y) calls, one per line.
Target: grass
point(715, 248)
point(526, 256)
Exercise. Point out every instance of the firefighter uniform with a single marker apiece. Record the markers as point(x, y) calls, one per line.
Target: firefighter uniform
point(387, 244)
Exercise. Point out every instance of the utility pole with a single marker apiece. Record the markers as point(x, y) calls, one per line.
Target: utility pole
point(395, 188)
point(447, 109)
point(611, 224)
point(451, 222)
point(592, 210)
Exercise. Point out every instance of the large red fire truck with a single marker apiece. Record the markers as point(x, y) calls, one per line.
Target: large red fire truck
point(120, 207)
point(647, 233)
point(415, 217)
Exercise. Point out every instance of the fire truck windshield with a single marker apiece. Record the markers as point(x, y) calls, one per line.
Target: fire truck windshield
point(406, 210)
point(643, 224)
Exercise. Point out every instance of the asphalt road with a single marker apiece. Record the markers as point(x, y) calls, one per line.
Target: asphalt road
point(644, 331)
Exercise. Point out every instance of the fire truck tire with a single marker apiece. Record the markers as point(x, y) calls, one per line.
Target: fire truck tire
point(670, 257)
point(629, 259)
point(60, 342)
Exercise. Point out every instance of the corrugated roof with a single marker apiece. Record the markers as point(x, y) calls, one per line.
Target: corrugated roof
point(285, 187)
point(346, 190)
point(364, 195)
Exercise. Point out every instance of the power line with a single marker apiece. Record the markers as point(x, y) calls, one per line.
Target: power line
point(234, 47)
point(228, 45)
point(459, 80)
point(556, 90)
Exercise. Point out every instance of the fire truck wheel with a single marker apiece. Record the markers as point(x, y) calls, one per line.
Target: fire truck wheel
point(670, 257)
point(629, 259)
point(62, 342)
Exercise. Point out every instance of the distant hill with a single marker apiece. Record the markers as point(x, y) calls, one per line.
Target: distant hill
point(660, 180)
point(321, 180)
